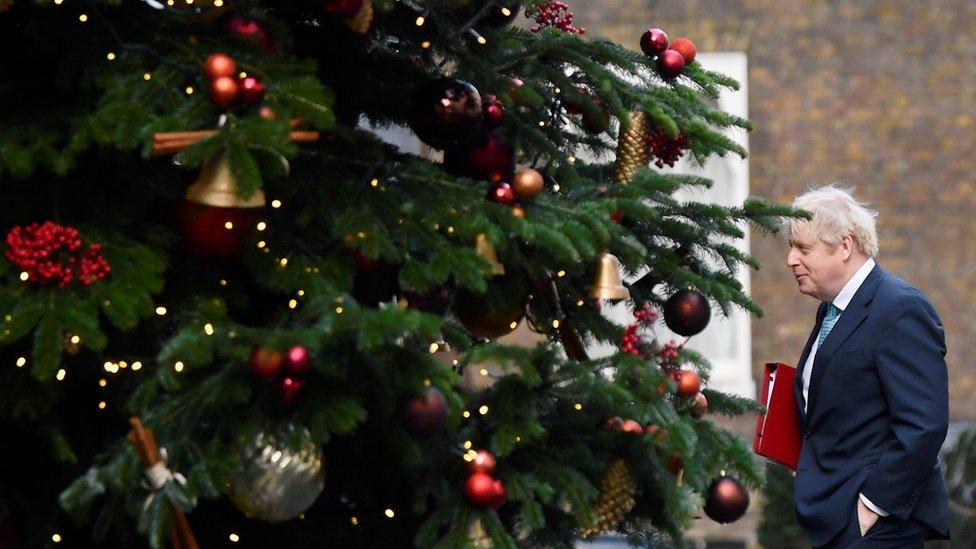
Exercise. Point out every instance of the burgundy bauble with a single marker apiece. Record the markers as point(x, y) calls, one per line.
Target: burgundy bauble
point(205, 233)
point(689, 383)
point(654, 42)
point(482, 490)
point(483, 462)
point(219, 64)
point(670, 64)
point(494, 111)
point(501, 193)
point(687, 312)
point(266, 363)
point(250, 30)
point(297, 360)
point(343, 8)
point(727, 500)
point(446, 112)
point(251, 90)
point(489, 158)
point(223, 91)
point(290, 387)
point(686, 48)
point(700, 407)
point(435, 301)
point(426, 413)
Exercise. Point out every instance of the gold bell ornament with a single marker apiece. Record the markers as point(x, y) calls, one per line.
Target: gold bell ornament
point(608, 283)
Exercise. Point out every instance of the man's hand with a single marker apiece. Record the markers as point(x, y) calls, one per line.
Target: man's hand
point(866, 518)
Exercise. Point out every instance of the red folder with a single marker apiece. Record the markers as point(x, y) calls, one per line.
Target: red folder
point(778, 430)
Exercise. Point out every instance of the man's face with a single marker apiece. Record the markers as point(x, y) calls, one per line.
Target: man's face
point(820, 272)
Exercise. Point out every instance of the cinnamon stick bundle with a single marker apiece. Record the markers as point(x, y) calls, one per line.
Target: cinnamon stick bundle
point(144, 442)
point(174, 142)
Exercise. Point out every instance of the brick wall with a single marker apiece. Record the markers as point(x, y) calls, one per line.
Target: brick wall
point(879, 95)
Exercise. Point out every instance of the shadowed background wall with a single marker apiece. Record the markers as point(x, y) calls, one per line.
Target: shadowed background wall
point(878, 95)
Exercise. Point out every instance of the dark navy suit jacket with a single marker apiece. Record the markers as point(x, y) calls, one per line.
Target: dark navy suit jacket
point(878, 412)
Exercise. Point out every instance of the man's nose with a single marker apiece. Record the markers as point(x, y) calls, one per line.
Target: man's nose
point(791, 260)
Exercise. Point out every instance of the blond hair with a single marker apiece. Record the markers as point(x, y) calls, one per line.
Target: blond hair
point(836, 214)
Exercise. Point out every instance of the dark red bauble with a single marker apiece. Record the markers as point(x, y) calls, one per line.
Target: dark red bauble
point(686, 48)
point(654, 42)
point(700, 407)
point(446, 112)
point(425, 414)
point(250, 30)
point(689, 383)
point(501, 193)
point(687, 312)
point(436, 301)
point(219, 64)
point(251, 90)
point(631, 426)
point(205, 233)
point(297, 360)
point(490, 158)
point(266, 363)
point(483, 490)
point(483, 462)
point(670, 64)
point(616, 216)
point(494, 111)
point(495, 312)
point(290, 387)
point(727, 500)
point(343, 8)
point(223, 91)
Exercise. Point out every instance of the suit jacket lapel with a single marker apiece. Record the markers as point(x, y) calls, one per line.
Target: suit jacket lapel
point(850, 319)
point(798, 381)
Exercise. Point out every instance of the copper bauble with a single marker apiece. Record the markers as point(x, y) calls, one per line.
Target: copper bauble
point(686, 48)
point(518, 211)
point(223, 91)
point(689, 383)
point(700, 407)
point(266, 363)
point(727, 500)
point(527, 183)
point(687, 312)
point(218, 65)
point(631, 426)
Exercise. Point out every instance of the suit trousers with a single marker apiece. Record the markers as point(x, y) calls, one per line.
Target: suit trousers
point(889, 532)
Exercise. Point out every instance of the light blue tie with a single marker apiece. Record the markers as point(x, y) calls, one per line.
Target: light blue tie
point(833, 313)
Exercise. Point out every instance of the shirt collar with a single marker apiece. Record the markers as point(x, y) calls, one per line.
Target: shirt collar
point(845, 296)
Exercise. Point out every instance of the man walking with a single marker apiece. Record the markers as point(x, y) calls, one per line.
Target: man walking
point(871, 388)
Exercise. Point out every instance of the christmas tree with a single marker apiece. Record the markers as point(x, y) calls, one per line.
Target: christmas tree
point(234, 314)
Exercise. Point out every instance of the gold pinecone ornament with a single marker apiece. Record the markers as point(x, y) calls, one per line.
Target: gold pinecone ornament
point(361, 22)
point(478, 538)
point(616, 499)
point(633, 151)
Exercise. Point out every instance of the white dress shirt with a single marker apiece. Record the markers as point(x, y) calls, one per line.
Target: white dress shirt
point(842, 300)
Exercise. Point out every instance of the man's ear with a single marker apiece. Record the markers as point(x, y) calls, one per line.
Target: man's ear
point(846, 247)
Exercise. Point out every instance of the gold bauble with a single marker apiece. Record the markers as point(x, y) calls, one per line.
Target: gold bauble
point(527, 183)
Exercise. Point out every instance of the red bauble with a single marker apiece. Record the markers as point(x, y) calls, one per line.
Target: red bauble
point(425, 414)
point(494, 111)
point(223, 91)
point(290, 387)
point(484, 491)
point(251, 90)
point(483, 462)
point(266, 363)
point(700, 407)
point(491, 159)
point(205, 229)
point(654, 42)
point(689, 383)
point(250, 30)
point(343, 8)
point(435, 301)
point(219, 64)
point(727, 500)
point(686, 48)
point(501, 193)
point(616, 216)
point(297, 360)
point(670, 64)
point(446, 112)
point(631, 426)
point(687, 312)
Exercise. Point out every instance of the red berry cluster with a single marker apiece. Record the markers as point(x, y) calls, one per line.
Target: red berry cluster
point(49, 252)
point(553, 15)
point(631, 340)
point(668, 354)
point(667, 149)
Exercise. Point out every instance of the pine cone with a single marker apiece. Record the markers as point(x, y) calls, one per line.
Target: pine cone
point(477, 537)
point(633, 151)
point(616, 499)
point(361, 22)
